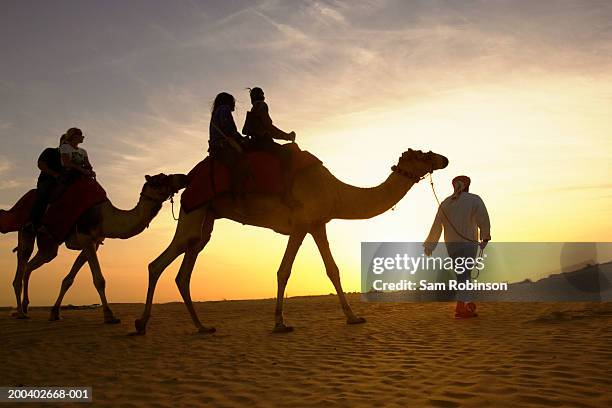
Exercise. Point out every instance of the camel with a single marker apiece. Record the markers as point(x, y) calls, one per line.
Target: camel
point(99, 222)
point(323, 198)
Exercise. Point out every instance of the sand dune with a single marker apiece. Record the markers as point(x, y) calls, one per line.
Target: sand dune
point(408, 354)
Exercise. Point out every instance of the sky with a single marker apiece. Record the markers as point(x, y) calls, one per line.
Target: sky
point(517, 94)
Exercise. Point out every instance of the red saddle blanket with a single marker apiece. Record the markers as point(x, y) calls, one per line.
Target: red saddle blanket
point(210, 177)
point(16, 217)
point(62, 214)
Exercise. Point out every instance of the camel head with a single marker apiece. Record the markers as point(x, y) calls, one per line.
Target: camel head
point(415, 163)
point(161, 186)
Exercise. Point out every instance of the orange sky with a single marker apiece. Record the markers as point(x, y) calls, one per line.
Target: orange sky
point(525, 113)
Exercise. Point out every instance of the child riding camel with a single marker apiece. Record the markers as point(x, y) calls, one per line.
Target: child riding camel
point(259, 126)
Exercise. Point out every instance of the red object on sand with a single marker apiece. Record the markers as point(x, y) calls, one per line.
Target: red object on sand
point(465, 310)
point(210, 177)
point(62, 214)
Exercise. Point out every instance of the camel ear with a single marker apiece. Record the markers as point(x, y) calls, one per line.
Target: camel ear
point(147, 177)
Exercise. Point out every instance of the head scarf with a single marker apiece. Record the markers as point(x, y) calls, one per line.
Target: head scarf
point(460, 184)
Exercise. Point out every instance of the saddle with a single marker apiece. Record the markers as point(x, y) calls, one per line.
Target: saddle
point(62, 214)
point(211, 177)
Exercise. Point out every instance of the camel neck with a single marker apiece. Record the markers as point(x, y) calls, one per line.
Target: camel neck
point(128, 223)
point(362, 203)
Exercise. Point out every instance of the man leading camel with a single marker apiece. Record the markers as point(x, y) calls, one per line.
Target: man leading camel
point(461, 216)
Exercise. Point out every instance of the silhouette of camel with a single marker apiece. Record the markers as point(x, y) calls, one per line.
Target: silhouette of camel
point(99, 222)
point(323, 198)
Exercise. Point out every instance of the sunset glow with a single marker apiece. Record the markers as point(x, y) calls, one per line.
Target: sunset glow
point(524, 111)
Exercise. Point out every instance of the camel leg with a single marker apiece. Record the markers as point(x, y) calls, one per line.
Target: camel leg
point(66, 283)
point(319, 234)
point(284, 271)
point(192, 226)
point(156, 268)
point(182, 282)
point(183, 277)
point(90, 248)
point(44, 255)
point(25, 247)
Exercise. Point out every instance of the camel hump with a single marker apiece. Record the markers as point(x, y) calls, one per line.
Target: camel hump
point(211, 178)
point(300, 159)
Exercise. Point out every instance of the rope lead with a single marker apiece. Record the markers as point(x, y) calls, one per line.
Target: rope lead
point(480, 248)
point(172, 205)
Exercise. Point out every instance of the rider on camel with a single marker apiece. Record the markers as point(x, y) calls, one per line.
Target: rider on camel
point(259, 126)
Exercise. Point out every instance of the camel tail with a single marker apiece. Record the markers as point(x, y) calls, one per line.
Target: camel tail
point(16, 249)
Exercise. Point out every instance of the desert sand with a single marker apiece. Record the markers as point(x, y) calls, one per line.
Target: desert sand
point(408, 354)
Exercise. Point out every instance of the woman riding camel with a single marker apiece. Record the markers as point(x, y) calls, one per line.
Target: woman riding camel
point(226, 143)
point(224, 137)
point(74, 159)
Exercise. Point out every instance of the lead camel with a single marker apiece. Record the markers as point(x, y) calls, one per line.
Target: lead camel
point(322, 196)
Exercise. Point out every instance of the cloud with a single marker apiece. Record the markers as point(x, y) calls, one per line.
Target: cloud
point(6, 184)
point(6, 169)
point(5, 165)
point(575, 188)
point(328, 13)
point(5, 125)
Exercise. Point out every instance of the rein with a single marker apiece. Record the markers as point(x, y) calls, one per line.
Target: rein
point(150, 198)
point(172, 206)
point(156, 200)
point(408, 175)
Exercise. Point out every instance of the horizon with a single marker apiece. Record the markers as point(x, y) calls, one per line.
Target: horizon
point(516, 95)
point(180, 301)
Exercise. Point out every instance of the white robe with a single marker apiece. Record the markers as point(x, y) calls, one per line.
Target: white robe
point(468, 215)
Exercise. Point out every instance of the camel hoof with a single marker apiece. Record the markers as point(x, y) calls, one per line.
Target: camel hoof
point(141, 327)
point(281, 328)
point(112, 320)
point(356, 320)
point(20, 315)
point(54, 315)
point(206, 330)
